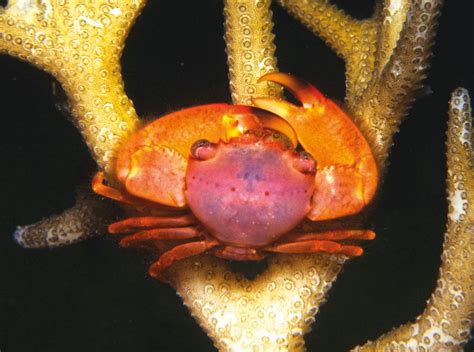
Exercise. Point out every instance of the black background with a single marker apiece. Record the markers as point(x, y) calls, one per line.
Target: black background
point(94, 296)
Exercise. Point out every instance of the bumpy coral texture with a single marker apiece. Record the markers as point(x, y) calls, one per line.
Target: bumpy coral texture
point(386, 58)
point(445, 323)
point(85, 219)
point(250, 49)
point(270, 313)
point(80, 43)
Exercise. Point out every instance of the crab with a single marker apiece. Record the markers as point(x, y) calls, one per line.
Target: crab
point(235, 180)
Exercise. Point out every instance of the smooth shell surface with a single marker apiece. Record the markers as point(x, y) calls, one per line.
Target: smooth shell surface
point(248, 194)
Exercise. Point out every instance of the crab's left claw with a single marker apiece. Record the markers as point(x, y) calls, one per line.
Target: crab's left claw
point(347, 176)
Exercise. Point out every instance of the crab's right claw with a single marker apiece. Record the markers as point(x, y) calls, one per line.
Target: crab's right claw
point(157, 174)
point(347, 176)
point(153, 163)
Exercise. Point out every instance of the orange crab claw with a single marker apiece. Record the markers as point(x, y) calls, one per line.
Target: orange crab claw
point(157, 174)
point(274, 122)
point(152, 165)
point(347, 175)
point(236, 125)
point(305, 92)
point(179, 130)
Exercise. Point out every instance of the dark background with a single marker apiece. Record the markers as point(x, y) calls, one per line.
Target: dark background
point(94, 296)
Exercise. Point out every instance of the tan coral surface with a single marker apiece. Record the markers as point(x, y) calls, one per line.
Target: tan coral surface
point(80, 43)
point(250, 49)
point(87, 218)
point(447, 319)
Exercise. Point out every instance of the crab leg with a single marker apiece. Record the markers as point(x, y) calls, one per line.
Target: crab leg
point(313, 246)
point(133, 224)
point(177, 253)
point(346, 179)
point(336, 235)
point(233, 253)
point(179, 233)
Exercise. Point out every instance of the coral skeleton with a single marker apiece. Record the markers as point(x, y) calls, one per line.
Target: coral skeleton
point(80, 43)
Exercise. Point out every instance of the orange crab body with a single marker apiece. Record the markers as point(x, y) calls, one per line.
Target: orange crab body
point(227, 179)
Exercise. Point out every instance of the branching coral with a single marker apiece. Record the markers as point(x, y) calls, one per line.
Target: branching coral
point(382, 75)
point(250, 49)
point(86, 218)
point(79, 43)
point(386, 58)
point(447, 319)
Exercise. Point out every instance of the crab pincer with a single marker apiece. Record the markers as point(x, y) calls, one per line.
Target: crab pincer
point(347, 177)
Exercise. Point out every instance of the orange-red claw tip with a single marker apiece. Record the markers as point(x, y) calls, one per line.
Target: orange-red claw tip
point(301, 89)
point(96, 180)
point(155, 272)
point(275, 76)
point(152, 271)
point(257, 100)
point(111, 229)
point(98, 174)
point(266, 77)
point(358, 252)
point(371, 235)
point(124, 243)
point(281, 108)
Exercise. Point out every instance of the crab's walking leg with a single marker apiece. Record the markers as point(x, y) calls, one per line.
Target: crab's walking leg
point(134, 224)
point(336, 235)
point(179, 233)
point(178, 253)
point(313, 246)
point(230, 254)
point(346, 179)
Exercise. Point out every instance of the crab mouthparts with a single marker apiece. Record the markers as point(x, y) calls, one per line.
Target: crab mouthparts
point(249, 194)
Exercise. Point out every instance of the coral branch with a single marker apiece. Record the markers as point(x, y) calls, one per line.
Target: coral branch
point(80, 43)
point(270, 313)
point(386, 59)
point(340, 31)
point(383, 106)
point(391, 20)
point(448, 316)
point(250, 49)
point(353, 40)
point(85, 219)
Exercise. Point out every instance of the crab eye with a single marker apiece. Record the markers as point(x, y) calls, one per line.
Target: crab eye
point(203, 150)
point(305, 163)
